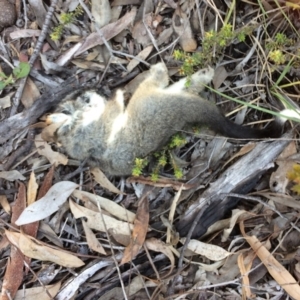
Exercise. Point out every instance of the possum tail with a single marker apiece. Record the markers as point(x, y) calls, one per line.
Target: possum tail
point(274, 130)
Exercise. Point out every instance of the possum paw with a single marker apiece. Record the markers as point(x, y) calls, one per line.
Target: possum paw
point(159, 74)
point(203, 76)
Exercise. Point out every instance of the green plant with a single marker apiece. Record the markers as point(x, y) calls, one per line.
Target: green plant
point(277, 47)
point(22, 70)
point(162, 157)
point(212, 46)
point(65, 19)
point(294, 176)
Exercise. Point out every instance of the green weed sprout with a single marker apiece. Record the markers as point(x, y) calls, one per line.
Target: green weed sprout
point(213, 44)
point(294, 176)
point(162, 157)
point(276, 48)
point(21, 71)
point(65, 19)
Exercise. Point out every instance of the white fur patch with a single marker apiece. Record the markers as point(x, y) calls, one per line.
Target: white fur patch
point(119, 123)
point(120, 99)
point(289, 113)
point(93, 110)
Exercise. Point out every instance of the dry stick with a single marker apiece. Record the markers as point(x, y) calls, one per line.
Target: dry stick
point(113, 252)
point(251, 198)
point(21, 150)
point(184, 247)
point(25, 13)
point(36, 52)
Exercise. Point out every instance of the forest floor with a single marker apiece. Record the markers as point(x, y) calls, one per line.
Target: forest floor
point(209, 217)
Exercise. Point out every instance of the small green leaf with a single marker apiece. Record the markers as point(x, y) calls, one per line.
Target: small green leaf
point(2, 85)
point(9, 80)
point(22, 70)
point(2, 75)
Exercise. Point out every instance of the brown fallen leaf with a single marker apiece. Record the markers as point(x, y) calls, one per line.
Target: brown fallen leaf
point(182, 27)
point(5, 204)
point(103, 181)
point(244, 150)
point(139, 231)
point(110, 206)
point(282, 276)
point(30, 93)
point(244, 269)
point(39, 293)
point(159, 246)
point(32, 228)
point(31, 248)
point(210, 251)
point(55, 158)
point(32, 189)
point(162, 182)
point(142, 55)
point(94, 220)
point(11, 175)
point(14, 271)
point(24, 33)
point(47, 183)
point(5, 102)
point(108, 32)
point(91, 239)
point(101, 12)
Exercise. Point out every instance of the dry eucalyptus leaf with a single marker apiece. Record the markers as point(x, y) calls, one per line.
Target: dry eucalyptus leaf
point(55, 158)
point(5, 102)
point(5, 204)
point(139, 231)
point(32, 189)
point(212, 252)
point(88, 65)
point(103, 181)
point(101, 12)
point(140, 32)
point(159, 246)
point(53, 200)
point(94, 220)
point(219, 77)
point(282, 276)
point(182, 27)
point(91, 239)
point(39, 11)
point(31, 248)
point(38, 293)
point(12, 175)
point(24, 33)
point(108, 205)
point(108, 32)
point(236, 213)
point(30, 93)
point(142, 55)
point(282, 199)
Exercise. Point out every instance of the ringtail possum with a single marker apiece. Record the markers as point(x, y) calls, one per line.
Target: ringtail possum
point(110, 135)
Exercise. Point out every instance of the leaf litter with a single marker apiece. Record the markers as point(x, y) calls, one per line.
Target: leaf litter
point(109, 228)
